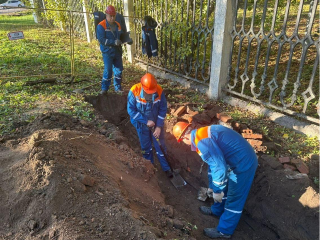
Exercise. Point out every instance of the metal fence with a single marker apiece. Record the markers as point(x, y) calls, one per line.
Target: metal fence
point(101, 5)
point(275, 55)
point(184, 32)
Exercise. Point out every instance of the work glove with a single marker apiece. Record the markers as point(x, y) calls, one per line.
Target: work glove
point(217, 197)
point(209, 192)
point(117, 42)
point(130, 41)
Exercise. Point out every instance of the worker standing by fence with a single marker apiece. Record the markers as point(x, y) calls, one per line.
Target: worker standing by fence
point(108, 34)
point(232, 165)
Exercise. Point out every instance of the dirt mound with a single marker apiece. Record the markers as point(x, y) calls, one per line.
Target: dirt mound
point(288, 207)
point(71, 184)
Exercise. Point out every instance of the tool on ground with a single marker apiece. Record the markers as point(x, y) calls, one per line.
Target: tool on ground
point(176, 179)
point(81, 90)
point(204, 193)
point(200, 171)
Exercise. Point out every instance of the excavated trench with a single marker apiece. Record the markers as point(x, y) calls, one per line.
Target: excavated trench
point(274, 209)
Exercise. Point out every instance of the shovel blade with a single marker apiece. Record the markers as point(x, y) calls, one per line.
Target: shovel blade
point(202, 194)
point(178, 181)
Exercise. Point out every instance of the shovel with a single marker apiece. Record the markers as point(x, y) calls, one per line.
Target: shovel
point(176, 179)
point(204, 193)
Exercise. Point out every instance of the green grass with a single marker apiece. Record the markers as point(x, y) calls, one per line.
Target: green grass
point(23, 20)
point(42, 52)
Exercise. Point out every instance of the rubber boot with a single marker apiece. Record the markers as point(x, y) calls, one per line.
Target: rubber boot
point(214, 233)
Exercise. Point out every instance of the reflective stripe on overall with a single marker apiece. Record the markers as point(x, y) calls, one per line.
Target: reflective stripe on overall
point(112, 55)
point(140, 112)
point(235, 184)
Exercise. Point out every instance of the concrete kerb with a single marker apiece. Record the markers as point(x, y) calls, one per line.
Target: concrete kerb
point(308, 129)
point(279, 118)
point(184, 82)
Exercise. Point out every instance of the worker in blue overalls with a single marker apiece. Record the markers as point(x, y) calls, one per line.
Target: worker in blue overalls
point(232, 163)
point(147, 107)
point(108, 34)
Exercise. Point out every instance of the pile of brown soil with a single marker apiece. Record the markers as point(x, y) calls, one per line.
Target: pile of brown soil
point(77, 184)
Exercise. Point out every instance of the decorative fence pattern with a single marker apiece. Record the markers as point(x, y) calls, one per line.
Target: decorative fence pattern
point(275, 55)
point(185, 32)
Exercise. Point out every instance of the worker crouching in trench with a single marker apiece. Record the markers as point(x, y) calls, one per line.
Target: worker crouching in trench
point(232, 163)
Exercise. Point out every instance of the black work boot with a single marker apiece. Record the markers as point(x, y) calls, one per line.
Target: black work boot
point(214, 233)
point(169, 173)
point(206, 210)
point(103, 92)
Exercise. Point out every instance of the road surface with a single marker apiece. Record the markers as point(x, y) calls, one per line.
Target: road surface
point(11, 10)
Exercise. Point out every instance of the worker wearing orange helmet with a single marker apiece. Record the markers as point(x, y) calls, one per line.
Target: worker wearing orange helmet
point(232, 163)
point(108, 34)
point(147, 107)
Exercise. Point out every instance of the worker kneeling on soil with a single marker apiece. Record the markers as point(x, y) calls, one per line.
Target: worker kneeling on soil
point(147, 107)
point(232, 165)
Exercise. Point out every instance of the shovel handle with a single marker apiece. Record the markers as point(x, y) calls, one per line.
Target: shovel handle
point(152, 131)
point(162, 150)
point(175, 175)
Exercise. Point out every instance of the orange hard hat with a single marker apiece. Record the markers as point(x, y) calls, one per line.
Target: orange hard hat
point(149, 83)
point(111, 10)
point(179, 129)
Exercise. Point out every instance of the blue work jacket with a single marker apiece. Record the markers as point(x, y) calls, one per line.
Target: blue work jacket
point(223, 150)
point(149, 41)
point(141, 111)
point(107, 38)
point(122, 22)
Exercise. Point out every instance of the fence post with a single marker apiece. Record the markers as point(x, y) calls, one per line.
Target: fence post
point(87, 20)
point(35, 17)
point(128, 13)
point(221, 47)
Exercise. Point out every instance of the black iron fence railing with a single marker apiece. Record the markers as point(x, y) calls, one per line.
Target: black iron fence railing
point(275, 55)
